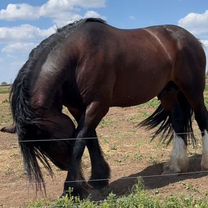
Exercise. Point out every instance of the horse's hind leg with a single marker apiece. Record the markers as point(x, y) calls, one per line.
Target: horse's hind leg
point(180, 118)
point(178, 161)
point(190, 78)
point(201, 117)
point(204, 160)
point(193, 90)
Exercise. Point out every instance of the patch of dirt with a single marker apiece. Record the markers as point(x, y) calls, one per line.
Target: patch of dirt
point(128, 151)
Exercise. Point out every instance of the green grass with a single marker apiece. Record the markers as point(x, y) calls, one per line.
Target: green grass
point(5, 89)
point(138, 198)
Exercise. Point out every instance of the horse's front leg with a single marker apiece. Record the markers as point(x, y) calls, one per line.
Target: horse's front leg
point(75, 180)
point(75, 183)
point(85, 132)
point(100, 169)
point(100, 172)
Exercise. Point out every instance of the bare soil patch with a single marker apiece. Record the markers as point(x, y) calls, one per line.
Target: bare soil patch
point(126, 147)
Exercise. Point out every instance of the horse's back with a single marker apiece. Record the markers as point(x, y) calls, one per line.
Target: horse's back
point(127, 61)
point(124, 61)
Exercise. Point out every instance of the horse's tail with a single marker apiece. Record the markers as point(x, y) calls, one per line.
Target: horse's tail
point(161, 118)
point(26, 126)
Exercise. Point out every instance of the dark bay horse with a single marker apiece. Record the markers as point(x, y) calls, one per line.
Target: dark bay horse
point(90, 66)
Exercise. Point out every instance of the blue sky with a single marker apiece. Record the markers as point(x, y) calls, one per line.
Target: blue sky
point(24, 23)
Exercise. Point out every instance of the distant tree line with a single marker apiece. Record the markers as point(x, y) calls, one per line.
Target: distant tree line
point(4, 83)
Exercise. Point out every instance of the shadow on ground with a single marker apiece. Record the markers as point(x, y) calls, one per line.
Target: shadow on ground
point(152, 179)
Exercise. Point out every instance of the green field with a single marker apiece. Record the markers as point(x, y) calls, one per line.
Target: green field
point(4, 89)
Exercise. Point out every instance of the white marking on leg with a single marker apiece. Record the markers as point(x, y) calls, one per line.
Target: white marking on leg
point(179, 159)
point(204, 160)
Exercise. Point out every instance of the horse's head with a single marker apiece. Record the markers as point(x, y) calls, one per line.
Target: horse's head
point(60, 132)
point(51, 138)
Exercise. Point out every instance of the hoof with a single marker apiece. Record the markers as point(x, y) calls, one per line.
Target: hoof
point(81, 192)
point(98, 183)
point(179, 160)
point(204, 159)
point(174, 169)
point(168, 170)
point(204, 167)
point(100, 176)
point(204, 162)
point(176, 165)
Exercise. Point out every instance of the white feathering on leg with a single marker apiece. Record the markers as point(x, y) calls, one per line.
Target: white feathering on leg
point(204, 160)
point(179, 159)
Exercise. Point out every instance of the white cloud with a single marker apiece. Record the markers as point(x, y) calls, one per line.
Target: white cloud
point(15, 48)
point(18, 11)
point(52, 6)
point(205, 46)
point(69, 10)
point(16, 42)
point(93, 14)
point(57, 10)
point(65, 18)
point(69, 17)
point(23, 33)
point(205, 43)
point(196, 23)
point(19, 40)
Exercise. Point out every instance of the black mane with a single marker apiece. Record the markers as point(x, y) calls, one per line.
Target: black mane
point(23, 114)
point(39, 54)
point(21, 85)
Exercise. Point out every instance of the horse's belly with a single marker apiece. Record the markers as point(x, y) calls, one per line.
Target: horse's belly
point(135, 93)
point(130, 100)
point(140, 78)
